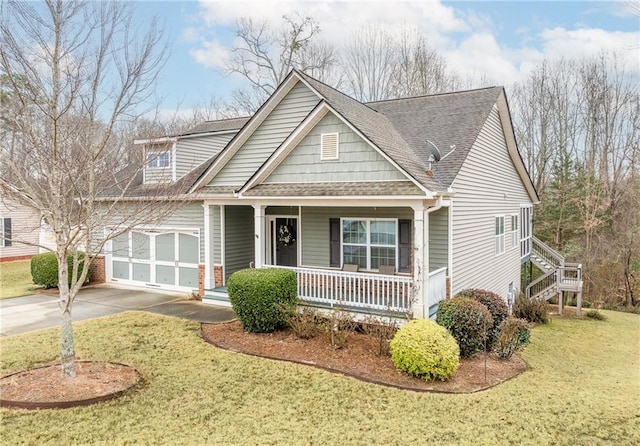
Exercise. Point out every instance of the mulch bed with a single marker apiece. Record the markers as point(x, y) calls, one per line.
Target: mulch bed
point(359, 359)
point(45, 387)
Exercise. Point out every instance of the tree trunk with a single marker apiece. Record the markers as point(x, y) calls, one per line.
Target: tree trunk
point(67, 349)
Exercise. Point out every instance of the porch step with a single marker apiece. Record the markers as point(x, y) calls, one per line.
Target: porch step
point(216, 296)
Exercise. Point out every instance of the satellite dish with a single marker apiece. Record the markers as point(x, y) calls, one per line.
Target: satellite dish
point(435, 152)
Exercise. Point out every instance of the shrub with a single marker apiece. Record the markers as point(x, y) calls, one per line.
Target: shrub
point(260, 297)
point(424, 349)
point(339, 324)
point(303, 321)
point(595, 314)
point(532, 310)
point(44, 269)
point(381, 330)
point(468, 321)
point(514, 335)
point(496, 306)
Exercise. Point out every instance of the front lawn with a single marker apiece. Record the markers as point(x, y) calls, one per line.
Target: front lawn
point(582, 388)
point(15, 279)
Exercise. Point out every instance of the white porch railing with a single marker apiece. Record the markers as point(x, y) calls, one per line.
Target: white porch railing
point(437, 286)
point(364, 290)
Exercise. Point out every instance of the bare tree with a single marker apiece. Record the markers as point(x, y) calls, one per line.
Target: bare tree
point(81, 73)
point(265, 54)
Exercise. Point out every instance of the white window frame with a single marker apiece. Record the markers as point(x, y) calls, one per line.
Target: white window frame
point(515, 235)
point(337, 155)
point(526, 229)
point(499, 237)
point(153, 164)
point(368, 243)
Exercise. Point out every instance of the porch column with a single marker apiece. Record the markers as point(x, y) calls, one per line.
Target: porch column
point(259, 242)
point(208, 252)
point(420, 304)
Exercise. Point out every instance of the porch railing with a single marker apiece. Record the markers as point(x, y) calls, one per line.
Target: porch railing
point(437, 286)
point(357, 290)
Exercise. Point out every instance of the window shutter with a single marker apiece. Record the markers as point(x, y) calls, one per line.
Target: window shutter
point(334, 242)
point(329, 146)
point(7, 232)
point(404, 245)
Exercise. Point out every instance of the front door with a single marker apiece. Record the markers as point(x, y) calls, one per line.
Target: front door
point(285, 241)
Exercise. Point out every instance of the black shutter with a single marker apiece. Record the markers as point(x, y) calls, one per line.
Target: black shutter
point(7, 232)
point(404, 244)
point(334, 242)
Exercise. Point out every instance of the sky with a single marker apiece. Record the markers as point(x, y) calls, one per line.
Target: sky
point(499, 41)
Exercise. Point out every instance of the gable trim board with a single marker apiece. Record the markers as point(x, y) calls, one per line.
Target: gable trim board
point(303, 130)
point(248, 129)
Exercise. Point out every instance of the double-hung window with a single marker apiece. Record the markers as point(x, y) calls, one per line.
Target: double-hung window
point(158, 160)
point(499, 231)
point(5, 232)
point(514, 231)
point(369, 243)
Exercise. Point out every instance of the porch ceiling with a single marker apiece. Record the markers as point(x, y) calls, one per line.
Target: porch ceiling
point(400, 188)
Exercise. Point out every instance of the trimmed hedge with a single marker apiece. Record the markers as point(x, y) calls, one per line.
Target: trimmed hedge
point(424, 349)
point(44, 269)
point(262, 298)
point(514, 336)
point(468, 321)
point(496, 306)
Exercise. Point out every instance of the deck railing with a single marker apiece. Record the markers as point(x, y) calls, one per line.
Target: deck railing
point(542, 284)
point(571, 274)
point(549, 255)
point(437, 285)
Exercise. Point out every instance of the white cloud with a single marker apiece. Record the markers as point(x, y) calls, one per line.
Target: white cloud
point(211, 54)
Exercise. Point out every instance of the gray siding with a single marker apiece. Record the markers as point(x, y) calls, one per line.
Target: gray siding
point(216, 227)
point(191, 152)
point(239, 249)
point(188, 216)
point(438, 238)
point(268, 136)
point(358, 161)
point(25, 226)
point(315, 228)
point(486, 186)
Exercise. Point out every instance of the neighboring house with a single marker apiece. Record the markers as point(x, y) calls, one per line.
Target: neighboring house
point(384, 206)
point(18, 223)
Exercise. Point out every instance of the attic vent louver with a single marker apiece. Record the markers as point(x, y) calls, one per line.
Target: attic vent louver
point(329, 146)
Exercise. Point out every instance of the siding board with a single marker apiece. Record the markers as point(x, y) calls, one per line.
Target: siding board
point(25, 226)
point(191, 152)
point(486, 186)
point(239, 236)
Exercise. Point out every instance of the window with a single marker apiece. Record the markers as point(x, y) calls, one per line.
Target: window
point(369, 243)
point(499, 234)
point(158, 160)
point(514, 230)
point(5, 232)
point(526, 226)
point(329, 146)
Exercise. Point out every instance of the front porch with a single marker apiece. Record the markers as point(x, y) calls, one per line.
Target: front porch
point(362, 259)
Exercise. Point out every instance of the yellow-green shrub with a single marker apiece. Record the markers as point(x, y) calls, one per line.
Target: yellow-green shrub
point(425, 349)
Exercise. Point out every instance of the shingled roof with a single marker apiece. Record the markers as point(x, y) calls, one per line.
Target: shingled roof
point(217, 126)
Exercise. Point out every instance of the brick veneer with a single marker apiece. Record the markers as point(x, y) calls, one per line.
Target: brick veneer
point(201, 280)
point(14, 258)
point(98, 273)
point(217, 275)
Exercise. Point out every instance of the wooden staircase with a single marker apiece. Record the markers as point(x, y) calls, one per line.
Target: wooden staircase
point(558, 276)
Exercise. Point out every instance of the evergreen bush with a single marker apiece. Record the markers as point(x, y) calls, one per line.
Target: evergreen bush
point(44, 269)
point(496, 306)
point(262, 298)
point(468, 321)
point(426, 350)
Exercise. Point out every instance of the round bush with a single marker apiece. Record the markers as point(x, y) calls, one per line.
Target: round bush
point(262, 298)
point(496, 306)
point(44, 269)
point(468, 321)
point(424, 349)
point(514, 335)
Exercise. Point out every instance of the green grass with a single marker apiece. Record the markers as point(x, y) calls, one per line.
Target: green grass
point(582, 389)
point(15, 279)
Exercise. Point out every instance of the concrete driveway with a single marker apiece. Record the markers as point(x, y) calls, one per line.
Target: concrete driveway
point(23, 314)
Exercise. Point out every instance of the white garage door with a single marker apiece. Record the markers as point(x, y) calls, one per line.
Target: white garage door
point(168, 259)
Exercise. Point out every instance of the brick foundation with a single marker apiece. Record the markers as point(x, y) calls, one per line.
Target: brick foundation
point(218, 278)
point(98, 272)
point(201, 280)
point(14, 258)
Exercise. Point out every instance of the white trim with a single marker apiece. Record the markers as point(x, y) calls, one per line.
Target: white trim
point(198, 135)
point(208, 245)
point(154, 140)
point(249, 128)
point(450, 247)
point(515, 233)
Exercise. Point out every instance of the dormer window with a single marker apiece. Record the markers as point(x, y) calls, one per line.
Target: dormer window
point(158, 159)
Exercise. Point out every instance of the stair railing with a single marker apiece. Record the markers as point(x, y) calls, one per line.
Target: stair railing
point(541, 284)
point(546, 253)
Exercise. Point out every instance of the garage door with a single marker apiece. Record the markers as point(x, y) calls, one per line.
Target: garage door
point(168, 259)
